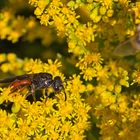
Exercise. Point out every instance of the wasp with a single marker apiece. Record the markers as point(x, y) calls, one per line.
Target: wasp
point(36, 81)
point(130, 46)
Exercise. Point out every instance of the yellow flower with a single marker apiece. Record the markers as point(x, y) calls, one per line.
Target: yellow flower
point(110, 13)
point(33, 66)
point(77, 136)
point(88, 34)
point(5, 95)
point(13, 135)
point(38, 11)
point(52, 11)
point(107, 3)
point(66, 127)
point(11, 57)
point(43, 3)
point(33, 2)
point(90, 87)
point(82, 110)
point(54, 135)
point(59, 23)
point(66, 109)
point(31, 23)
point(52, 122)
point(75, 86)
point(124, 82)
point(14, 36)
point(71, 45)
point(107, 98)
point(136, 76)
point(96, 58)
point(48, 106)
point(89, 73)
point(117, 88)
point(102, 10)
point(6, 120)
point(45, 19)
point(93, 59)
point(105, 19)
point(23, 126)
point(2, 57)
point(102, 74)
point(52, 67)
point(5, 67)
point(124, 2)
point(95, 15)
point(122, 103)
point(40, 137)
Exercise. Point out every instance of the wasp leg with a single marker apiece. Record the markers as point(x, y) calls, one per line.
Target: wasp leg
point(45, 94)
point(33, 92)
point(65, 95)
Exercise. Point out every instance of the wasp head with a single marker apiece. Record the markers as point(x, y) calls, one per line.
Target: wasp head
point(58, 85)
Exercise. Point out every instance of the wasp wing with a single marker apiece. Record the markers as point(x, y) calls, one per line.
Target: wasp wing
point(11, 79)
point(127, 48)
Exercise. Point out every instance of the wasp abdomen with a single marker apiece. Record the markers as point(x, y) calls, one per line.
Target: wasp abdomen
point(17, 84)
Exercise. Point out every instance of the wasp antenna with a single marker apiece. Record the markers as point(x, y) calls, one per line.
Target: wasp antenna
point(65, 94)
point(67, 80)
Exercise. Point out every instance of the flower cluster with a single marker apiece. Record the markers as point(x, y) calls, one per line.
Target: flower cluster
point(13, 27)
point(68, 23)
point(109, 84)
point(45, 119)
point(90, 65)
point(120, 119)
point(136, 76)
